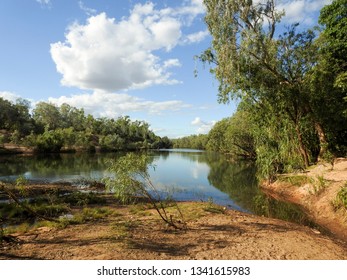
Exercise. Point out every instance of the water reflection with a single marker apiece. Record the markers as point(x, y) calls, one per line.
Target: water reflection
point(186, 174)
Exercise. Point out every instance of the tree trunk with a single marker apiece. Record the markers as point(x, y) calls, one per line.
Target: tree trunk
point(323, 143)
point(302, 147)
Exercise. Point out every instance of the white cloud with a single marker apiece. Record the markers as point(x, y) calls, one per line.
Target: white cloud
point(203, 126)
point(112, 105)
point(87, 10)
point(172, 63)
point(196, 37)
point(301, 11)
point(9, 96)
point(110, 55)
point(44, 2)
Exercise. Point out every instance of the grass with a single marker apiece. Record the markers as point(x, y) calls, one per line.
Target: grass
point(341, 198)
point(82, 199)
point(319, 184)
point(295, 180)
point(141, 209)
point(79, 207)
point(82, 216)
point(90, 214)
point(214, 208)
point(16, 214)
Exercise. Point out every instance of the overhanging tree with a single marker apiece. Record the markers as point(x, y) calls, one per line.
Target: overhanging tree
point(252, 62)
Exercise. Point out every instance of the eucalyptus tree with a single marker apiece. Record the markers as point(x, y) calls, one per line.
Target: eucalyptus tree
point(47, 115)
point(72, 117)
point(334, 39)
point(328, 78)
point(255, 63)
point(15, 117)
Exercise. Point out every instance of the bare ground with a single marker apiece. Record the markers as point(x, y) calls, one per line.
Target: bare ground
point(141, 235)
point(317, 195)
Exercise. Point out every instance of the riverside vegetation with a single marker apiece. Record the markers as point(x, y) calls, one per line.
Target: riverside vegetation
point(290, 84)
point(64, 128)
point(291, 89)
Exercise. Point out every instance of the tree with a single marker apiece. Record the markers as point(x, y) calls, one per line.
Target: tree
point(16, 117)
point(216, 137)
point(253, 64)
point(7, 114)
point(50, 141)
point(240, 136)
point(72, 117)
point(328, 79)
point(334, 39)
point(132, 181)
point(47, 115)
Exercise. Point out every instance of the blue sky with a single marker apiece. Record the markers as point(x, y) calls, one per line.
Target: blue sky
point(117, 58)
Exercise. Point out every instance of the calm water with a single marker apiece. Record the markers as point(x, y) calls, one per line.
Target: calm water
point(185, 174)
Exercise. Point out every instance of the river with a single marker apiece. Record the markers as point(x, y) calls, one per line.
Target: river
point(184, 174)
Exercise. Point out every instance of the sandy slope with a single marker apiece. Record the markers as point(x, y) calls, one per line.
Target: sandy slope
point(317, 195)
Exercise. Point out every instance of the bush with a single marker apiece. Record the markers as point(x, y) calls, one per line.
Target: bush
point(131, 181)
point(50, 141)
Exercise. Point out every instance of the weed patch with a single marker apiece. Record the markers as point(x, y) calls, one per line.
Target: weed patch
point(341, 198)
point(296, 180)
point(319, 184)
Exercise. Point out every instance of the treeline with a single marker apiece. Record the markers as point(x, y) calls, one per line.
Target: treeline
point(191, 142)
point(233, 136)
point(50, 128)
point(291, 86)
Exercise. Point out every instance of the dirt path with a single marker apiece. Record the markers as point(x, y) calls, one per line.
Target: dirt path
point(227, 235)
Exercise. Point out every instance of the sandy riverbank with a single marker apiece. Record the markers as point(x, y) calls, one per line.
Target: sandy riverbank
point(135, 232)
point(315, 191)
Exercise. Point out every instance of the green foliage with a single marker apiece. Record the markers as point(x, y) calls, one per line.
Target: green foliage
point(51, 128)
point(50, 141)
point(216, 137)
point(233, 136)
point(15, 213)
point(295, 180)
point(82, 199)
point(128, 171)
point(319, 184)
point(291, 85)
point(341, 198)
point(334, 37)
point(90, 214)
point(131, 181)
point(15, 117)
point(197, 142)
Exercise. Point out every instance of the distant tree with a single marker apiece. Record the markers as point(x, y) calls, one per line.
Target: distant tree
point(16, 117)
point(47, 115)
point(217, 138)
point(72, 117)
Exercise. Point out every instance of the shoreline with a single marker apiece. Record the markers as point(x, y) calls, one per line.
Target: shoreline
point(111, 230)
point(314, 191)
point(135, 232)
